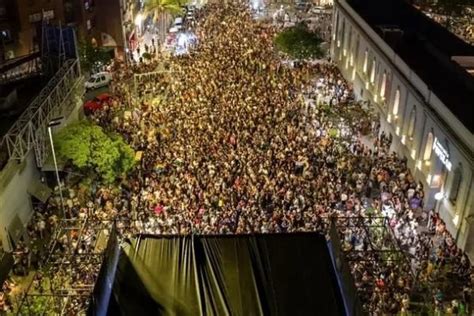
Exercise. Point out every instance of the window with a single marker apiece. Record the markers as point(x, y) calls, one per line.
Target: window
point(396, 102)
point(335, 34)
point(35, 17)
point(348, 42)
point(455, 185)
point(411, 124)
point(372, 71)
point(357, 47)
point(428, 146)
point(5, 36)
point(383, 85)
point(366, 59)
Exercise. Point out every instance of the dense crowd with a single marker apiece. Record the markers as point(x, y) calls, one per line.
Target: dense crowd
point(460, 24)
point(231, 141)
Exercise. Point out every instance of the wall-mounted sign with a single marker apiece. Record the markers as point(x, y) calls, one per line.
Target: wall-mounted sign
point(442, 154)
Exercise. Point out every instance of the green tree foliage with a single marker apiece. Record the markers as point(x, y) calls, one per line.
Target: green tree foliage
point(92, 57)
point(89, 148)
point(160, 7)
point(299, 42)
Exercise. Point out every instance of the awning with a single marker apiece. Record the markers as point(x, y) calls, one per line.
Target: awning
point(39, 190)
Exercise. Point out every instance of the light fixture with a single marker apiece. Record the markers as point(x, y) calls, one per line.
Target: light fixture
point(456, 219)
point(397, 130)
point(428, 179)
point(439, 196)
point(413, 154)
point(138, 20)
point(418, 164)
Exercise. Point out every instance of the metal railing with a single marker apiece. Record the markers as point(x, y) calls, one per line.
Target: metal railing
point(29, 131)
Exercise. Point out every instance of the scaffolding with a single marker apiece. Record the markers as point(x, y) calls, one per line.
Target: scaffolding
point(65, 282)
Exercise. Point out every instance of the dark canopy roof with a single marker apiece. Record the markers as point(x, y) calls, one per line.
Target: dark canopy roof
point(427, 48)
point(226, 275)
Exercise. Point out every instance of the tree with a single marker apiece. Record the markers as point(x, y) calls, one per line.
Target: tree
point(158, 7)
point(299, 42)
point(92, 57)
point(162, 10)
point(89, 148)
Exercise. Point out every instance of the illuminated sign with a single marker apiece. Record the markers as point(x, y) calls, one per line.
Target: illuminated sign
point(442, 154)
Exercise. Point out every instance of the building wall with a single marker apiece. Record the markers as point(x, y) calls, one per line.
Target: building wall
point(91, 18)
point(30, 17)
point(14, 198)
point(410, 112)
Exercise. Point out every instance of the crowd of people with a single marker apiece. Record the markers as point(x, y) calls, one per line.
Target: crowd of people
point(461, 24)
point(231, 141)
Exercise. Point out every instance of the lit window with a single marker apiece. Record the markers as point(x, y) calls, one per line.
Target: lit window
point(411, 124)
point(384, 84)
point(428, 147)
point(455, 185)
point(366, 59)
point(396, 102)
point(372, 72)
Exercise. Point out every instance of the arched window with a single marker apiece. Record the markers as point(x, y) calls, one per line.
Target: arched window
point(411, 124)
point(384, 84)
point(455, 185)
point(343, 31)
point(347, 43)
point(366, 60)
point(396, 102)
point(428, 147)
point(372, 71)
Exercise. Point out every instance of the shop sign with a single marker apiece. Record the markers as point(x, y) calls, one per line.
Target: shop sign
point(442, 154)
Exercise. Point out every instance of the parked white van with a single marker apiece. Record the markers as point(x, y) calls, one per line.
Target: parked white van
point(98, 80)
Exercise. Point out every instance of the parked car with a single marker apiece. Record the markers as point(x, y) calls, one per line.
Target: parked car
point(98, 80)
point(302, 5)
point(97, 103)
point(178, 23)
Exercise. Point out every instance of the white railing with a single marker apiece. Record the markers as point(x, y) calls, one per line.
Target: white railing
point(29, 130)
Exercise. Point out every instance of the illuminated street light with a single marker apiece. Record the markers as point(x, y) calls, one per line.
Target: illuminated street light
point(138, 20)
point(439, 196)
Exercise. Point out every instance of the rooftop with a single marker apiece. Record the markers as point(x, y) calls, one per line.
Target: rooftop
point(427, 48)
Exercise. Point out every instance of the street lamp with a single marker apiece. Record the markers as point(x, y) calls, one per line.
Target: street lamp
point(439, 196)
point(55, 122)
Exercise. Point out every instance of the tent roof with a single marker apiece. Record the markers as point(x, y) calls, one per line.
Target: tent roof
point(268, 274)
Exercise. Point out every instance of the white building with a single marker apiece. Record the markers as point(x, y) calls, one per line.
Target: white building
point(413, 73)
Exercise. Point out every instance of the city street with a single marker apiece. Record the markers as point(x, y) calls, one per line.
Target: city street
point(233, 139)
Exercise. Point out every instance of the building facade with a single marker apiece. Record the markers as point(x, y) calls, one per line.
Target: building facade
point(405, 66)
point(101, 22)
